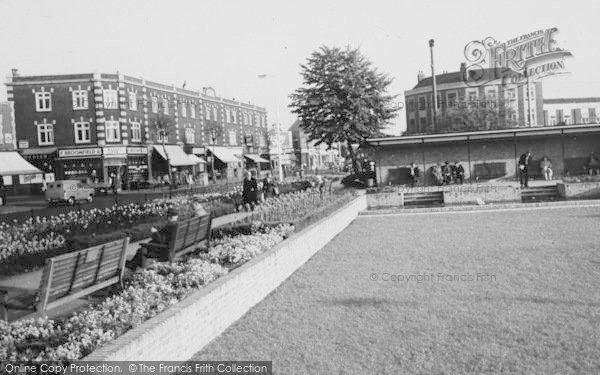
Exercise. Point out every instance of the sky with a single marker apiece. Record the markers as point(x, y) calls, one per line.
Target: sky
point(226, 45)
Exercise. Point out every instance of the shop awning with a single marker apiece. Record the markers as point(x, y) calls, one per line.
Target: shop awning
point(11, 164)
point(256, 158)
point(177, 158)
point(39, 151)
point(196, 160)
point(224, 154)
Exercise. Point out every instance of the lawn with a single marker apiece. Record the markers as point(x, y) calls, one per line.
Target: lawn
point(522, 297)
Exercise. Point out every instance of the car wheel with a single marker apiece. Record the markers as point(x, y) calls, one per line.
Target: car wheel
point(90, 199)
point(71, 201)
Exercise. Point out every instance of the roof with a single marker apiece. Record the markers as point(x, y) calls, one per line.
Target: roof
point(488, 134)
point(571, 100)
point(487, 74)
point(224, 154)
point(11, 164)
point(176, 156)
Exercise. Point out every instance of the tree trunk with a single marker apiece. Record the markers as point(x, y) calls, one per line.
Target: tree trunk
point(355, 163)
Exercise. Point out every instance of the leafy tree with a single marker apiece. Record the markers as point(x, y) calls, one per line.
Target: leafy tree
point(343, 99)
point(163, 127)
point(474, 115)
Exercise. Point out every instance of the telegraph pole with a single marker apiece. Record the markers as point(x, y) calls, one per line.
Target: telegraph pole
point(431, 43)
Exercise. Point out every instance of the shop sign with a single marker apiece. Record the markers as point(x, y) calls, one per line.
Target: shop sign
point(137, 150)
point(198, 150)
point(79, 152)
point(114, 151)
point(31, 178)
point(23, 144)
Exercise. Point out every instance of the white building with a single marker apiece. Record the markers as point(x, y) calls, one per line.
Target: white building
point(570, 111)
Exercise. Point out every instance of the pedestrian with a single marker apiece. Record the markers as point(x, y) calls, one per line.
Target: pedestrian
point(249, 191)
point(524, 161)
point(267, 186)
point(113, 183)
point(460, 172)
point(2, 192)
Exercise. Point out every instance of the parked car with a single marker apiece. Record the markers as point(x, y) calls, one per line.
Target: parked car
point(69, 191)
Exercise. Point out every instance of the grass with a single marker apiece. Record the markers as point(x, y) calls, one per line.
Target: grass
point(540, 314)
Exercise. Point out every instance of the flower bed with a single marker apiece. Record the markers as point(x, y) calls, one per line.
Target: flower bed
point(146, 294)
point(25, 246)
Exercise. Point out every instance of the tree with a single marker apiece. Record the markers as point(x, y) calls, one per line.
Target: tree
point(474, 115)
point(343, 99)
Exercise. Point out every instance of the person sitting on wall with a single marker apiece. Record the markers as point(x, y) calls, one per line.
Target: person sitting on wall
point(460, 172)
point(546, 167)
point(436, 172)
point(413, 174)
point(160, 236)
point(447, 173)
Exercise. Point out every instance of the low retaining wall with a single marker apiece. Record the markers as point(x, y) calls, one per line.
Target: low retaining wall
point(579, 190)
point(453, 195)
point(184, 329)
point(468, 194)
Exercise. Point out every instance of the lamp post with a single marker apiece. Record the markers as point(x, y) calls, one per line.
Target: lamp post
point(213, 138)
point(277, 130)
point(431, 43)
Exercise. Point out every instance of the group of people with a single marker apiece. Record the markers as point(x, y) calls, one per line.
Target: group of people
point(252, 194)
point(441, 173)
point(524, 163)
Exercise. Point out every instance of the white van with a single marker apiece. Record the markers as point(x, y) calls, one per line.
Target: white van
point(69, 191)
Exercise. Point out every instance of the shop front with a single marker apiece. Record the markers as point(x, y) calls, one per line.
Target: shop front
point(43, 158)
point(226, 164)
point(172, 156)
point(79, 163)
point(17, 175)
point(137, 167)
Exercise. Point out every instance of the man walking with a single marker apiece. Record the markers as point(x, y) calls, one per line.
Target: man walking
point(523, 165)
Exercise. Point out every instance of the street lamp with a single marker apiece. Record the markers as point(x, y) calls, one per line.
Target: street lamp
point(431, 43)
point(277, 129)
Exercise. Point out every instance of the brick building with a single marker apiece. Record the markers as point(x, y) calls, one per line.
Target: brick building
point(75, 124)
point(7, 127)
point(492, 85)
point(570, 111)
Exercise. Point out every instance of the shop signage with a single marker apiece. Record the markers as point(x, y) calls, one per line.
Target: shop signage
point(198, 150)
point(114, 151)
point(137, 150)
point(79, 152)
point(23, 144)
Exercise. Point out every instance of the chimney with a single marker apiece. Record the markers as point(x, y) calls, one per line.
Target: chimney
point(15, 72)
point(420, 76)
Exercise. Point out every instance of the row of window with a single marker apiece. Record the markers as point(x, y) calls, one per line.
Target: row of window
point(452, 99)
point(43, 103)
point(113, 133)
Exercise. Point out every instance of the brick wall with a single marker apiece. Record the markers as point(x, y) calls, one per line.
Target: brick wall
point(187, 327)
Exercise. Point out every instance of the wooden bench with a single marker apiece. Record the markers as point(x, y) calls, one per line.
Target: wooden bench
point(69, 277)
point(188, 234)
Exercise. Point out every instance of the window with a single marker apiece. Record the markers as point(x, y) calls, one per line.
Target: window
point(421, 103)
point(234, 117)
point(207, 115)
point(45, 134)
point(183, 109)
point(232, 137)
point(452, 100)
point(190, 135)
point(136, 132)
point(193, 111)
point(215, 114)
point(132, 101)
point(162, 137)
point(411, 106)
point(111, 99)
point(244, 118)
point(43, 102)
point(154, 104)
point(82, 132)
point(552, 120)
point(262, 140)
point(80, 99)
point(227, 114)
point(472, 96)
point(165, 103)
point(112, 131)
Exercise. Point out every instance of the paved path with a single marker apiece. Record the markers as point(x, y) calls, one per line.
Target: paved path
point(31, 280)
